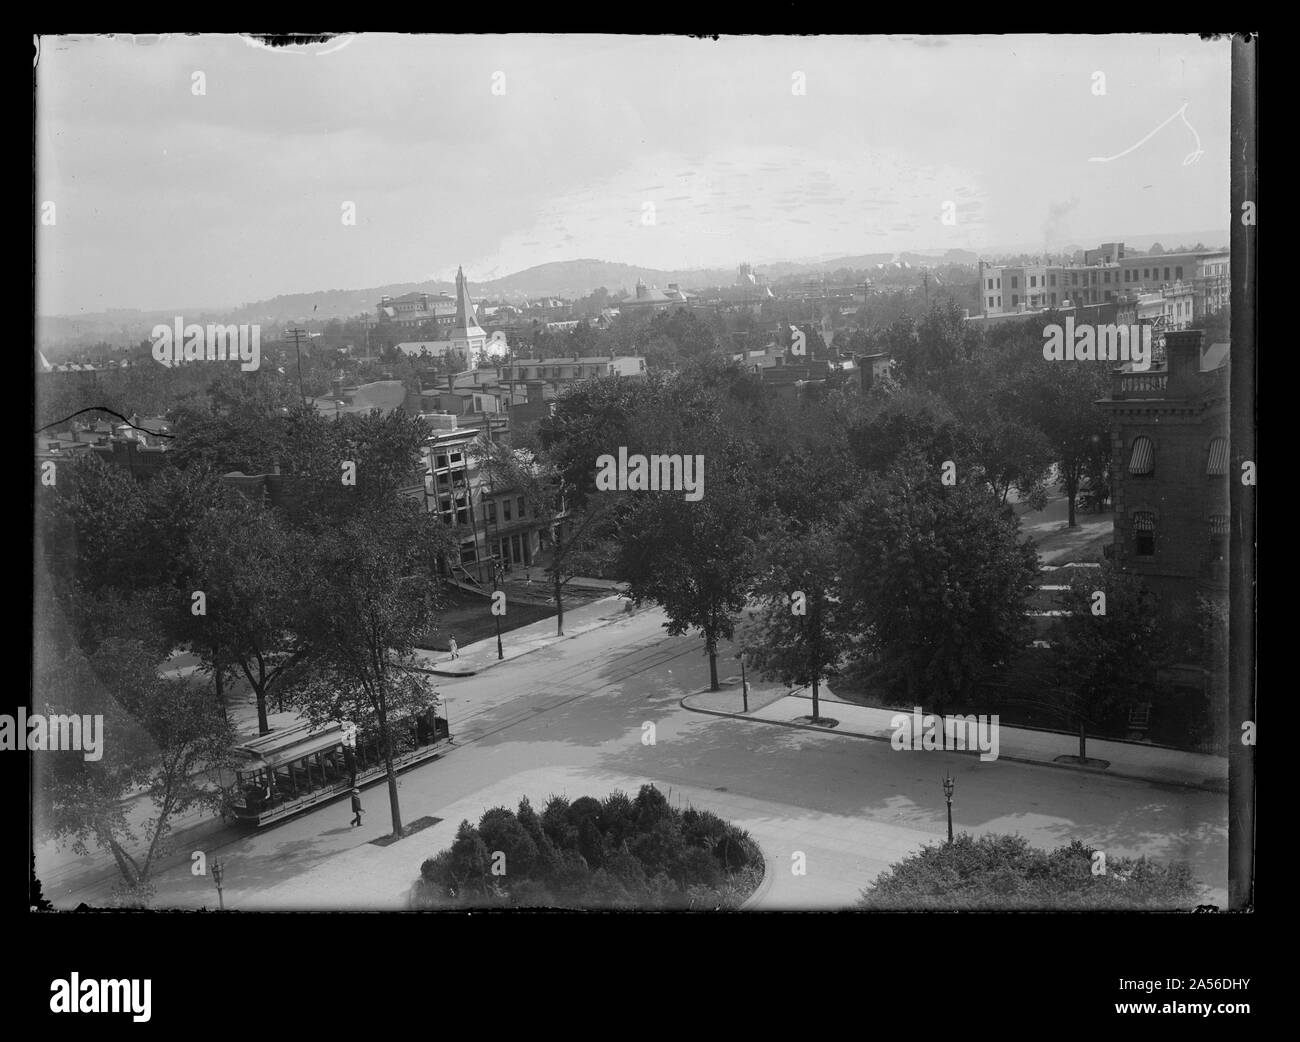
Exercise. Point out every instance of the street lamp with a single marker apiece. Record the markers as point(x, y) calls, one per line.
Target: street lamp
point(217, 873)
point(744, 684)
point(496, 582)
point(948, 784)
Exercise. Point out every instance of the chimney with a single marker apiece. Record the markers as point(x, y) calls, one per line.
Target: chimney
point(1183, 359)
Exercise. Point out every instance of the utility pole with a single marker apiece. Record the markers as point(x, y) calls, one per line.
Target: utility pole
point(297, 334)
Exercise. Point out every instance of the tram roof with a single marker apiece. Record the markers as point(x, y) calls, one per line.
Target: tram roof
point(291, 743)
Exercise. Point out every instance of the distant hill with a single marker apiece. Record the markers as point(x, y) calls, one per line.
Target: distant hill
point(572, 278)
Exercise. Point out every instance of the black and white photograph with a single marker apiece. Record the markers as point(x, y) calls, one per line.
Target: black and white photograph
point(520, 473)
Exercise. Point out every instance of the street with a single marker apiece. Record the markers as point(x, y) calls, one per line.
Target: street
point(569, 718)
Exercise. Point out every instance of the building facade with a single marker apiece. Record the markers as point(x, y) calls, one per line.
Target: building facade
point(1169, 445)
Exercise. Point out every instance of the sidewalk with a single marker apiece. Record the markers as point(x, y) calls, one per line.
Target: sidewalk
point(1127, 759)
point(475, 658)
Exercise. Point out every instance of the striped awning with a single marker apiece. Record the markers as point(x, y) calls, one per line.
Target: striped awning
point(1144, 521)
point(1143, 455)
point(1218, 524)
point(1218, 464)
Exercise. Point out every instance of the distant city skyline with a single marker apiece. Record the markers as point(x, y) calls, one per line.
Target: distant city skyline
point(501, 153)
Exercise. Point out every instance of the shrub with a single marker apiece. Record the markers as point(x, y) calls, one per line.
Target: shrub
point(532, 893)
point(500, 830)
point(556, 823)
point(570, 879)
point(527, 817)
point(650, 807)
point(698, 866)
point(735, 850)
point(612, 853)
point(606, 890)
point(590, 842)
point(470, 861)
point(1000, 871)
point(703, 828)
point(436, 871)
point(582, 809)
point(628, 869)
point(617, 818)
point(660, 849)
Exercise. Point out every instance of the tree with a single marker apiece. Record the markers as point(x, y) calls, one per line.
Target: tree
point(578, 537)
point(253, 594)
point(1059, 399)
point(374, 593)
point(1104, 661)
point(160, 739)
point(936, 579)
point(798, 634)
point(694, 559)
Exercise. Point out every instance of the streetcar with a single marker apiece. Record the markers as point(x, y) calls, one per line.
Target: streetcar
point(301, 766)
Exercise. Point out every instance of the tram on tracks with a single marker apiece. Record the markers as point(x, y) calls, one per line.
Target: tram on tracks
point(301, 766)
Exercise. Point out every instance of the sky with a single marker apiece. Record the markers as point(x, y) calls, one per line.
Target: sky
point(212, 170)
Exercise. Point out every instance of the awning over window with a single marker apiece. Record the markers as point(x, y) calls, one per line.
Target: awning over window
point(1218, 464)
point(1144, 521)
point(1218, 524)
point(1143, 455)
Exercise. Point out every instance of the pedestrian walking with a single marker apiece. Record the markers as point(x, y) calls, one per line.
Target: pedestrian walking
point(451, 643)
point(356, 807)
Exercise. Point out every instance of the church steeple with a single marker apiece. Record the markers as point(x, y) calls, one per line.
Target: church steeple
point(466, 323)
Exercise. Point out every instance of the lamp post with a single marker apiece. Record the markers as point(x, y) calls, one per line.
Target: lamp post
point(217, 873)
point(948, 784)
point(496, 583)
point(744, 684)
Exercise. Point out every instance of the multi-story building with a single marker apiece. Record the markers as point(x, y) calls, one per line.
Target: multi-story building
point(1206, 272)
point(557, 373)
point(650, 298)
point(495, 522)
point(1169, 442)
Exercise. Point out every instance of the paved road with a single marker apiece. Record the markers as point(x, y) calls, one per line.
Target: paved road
point(569, 718)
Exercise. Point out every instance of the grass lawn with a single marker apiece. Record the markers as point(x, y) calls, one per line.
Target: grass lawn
point(470, 618)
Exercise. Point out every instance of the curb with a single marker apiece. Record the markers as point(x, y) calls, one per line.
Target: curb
point(599, 624)
point(1215, 786)
point(760, 891)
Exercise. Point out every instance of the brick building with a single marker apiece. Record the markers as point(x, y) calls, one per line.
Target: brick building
point(1169, 442)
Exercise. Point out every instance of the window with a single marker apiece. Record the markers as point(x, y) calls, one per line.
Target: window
point(1144, 533)
point(1074, 278)
point(1142, 459)
point(1033, 281)
point(1053, 296)
point(1109, 295)
point(1052, 279)
point(505, 510)
point(1218, 537)
point(1166, 274)
point(1178, 273)
point(491, 511)
point(522, 511)
point(1217, 465)
point(1106, 279)
point(1146, 273)
point(1015, 298)
point(1015, 281)
point(990, 301)
point(990, 284)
